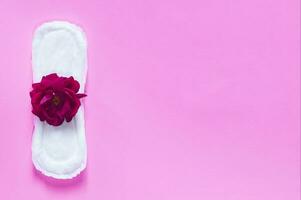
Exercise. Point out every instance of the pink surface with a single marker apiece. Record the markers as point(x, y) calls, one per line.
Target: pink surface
point(187, 100)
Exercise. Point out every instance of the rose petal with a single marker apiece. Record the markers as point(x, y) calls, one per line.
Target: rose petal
point(52, 76)
point(46, 98)
point(72, 84)
point(74, 103)
point(64, 109)
point(52, 118)
point(36, 97)
point(36, 86)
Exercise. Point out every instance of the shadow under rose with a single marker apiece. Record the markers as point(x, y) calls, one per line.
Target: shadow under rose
point(61, 184)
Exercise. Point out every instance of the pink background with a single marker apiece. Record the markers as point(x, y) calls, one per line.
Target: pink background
point(187, 100)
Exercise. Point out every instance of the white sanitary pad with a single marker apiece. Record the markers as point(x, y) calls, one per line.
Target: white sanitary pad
point(60, 151)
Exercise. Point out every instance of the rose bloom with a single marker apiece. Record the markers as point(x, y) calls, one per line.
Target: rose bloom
point(55, 99)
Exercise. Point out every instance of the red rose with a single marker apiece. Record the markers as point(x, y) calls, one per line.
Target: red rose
point(55, 99)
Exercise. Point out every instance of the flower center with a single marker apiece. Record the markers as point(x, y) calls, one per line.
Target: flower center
point(56, 100)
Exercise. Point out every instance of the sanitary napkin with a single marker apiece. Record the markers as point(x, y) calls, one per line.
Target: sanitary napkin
point(60, 151)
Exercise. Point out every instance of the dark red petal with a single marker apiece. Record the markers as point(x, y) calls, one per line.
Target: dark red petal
point(38, 113)
point(36, 97)
point(76, 105)
point(59, 84)
point(32, 93)
point(68, 118)
point(49, 80)
point(55, 121)
point(46, 98)
point(65, 108)
point(52, 118)
point(52, 76)
point(72, 84)
point(36, 86)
